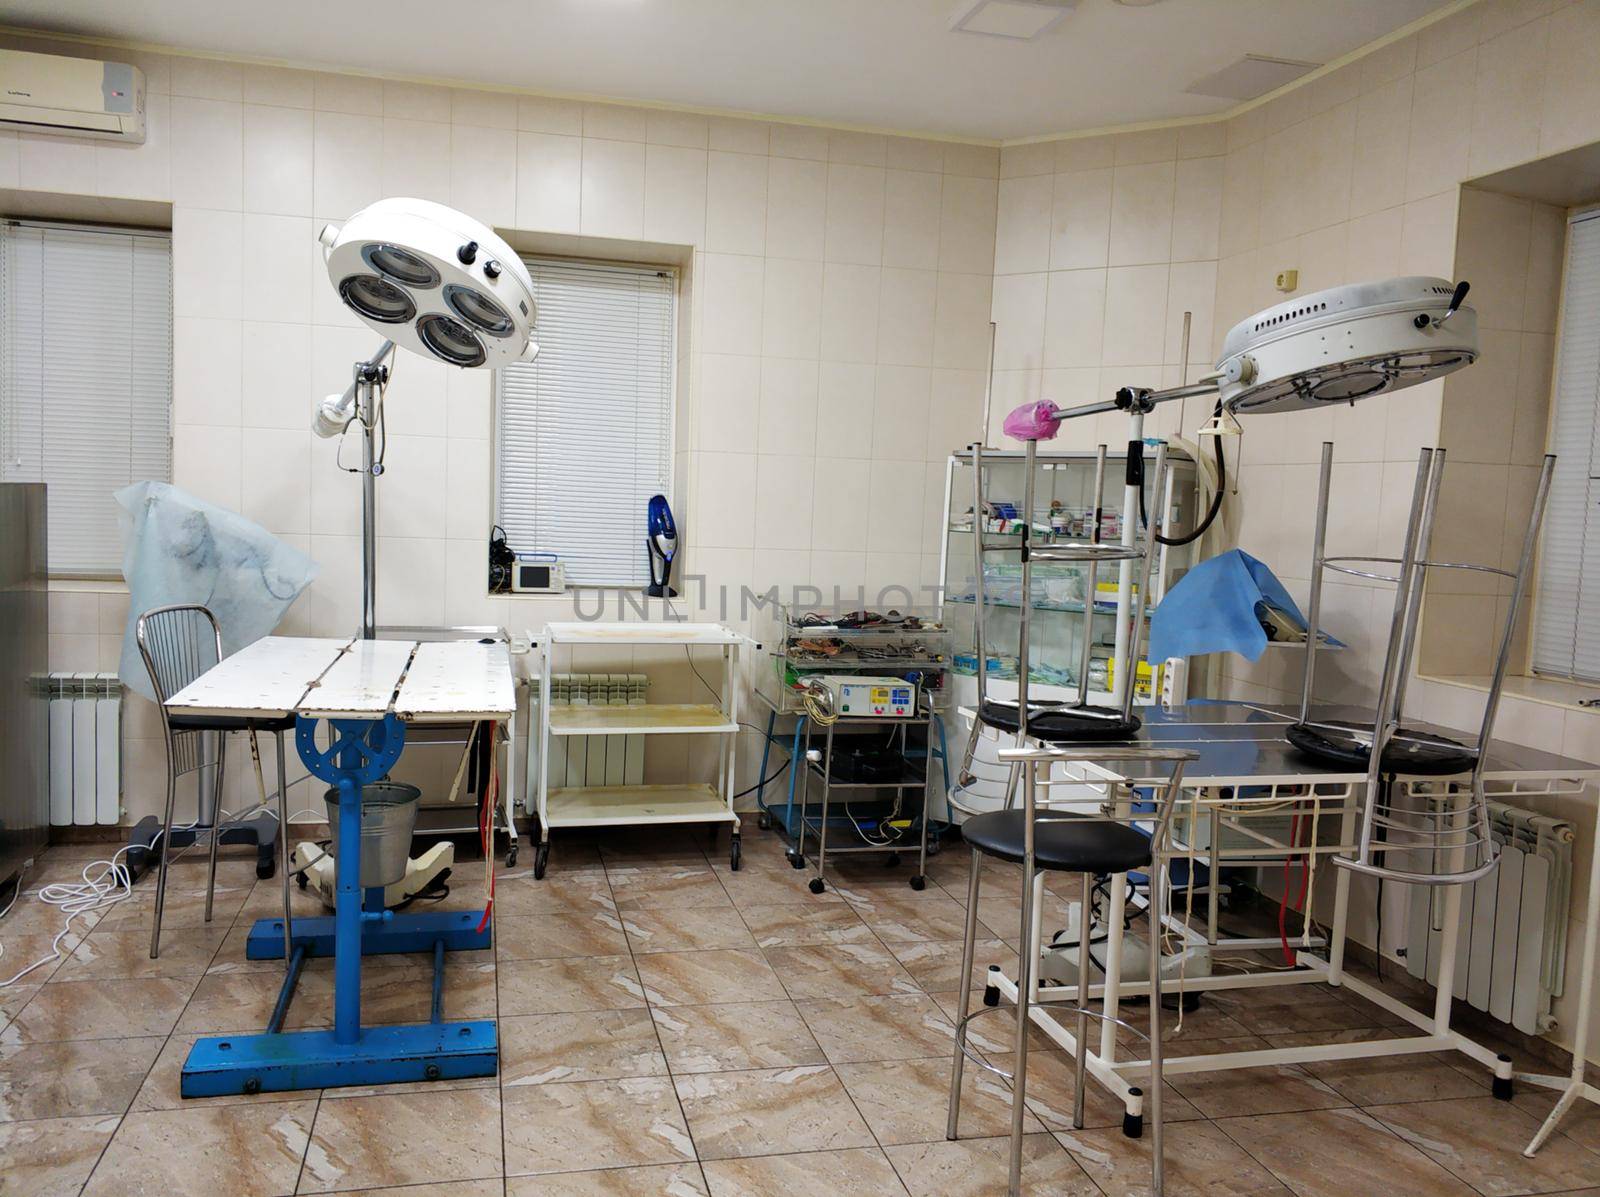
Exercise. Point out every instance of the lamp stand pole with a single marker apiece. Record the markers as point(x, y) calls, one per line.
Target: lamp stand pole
point(369, 378)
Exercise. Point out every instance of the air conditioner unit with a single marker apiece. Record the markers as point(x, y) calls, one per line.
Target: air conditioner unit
point(74, 97)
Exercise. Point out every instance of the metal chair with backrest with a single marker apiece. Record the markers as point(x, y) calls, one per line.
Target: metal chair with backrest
point(178, 643)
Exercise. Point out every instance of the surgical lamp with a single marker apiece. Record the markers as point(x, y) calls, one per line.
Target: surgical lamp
point(1313, 351)
point(432, 280)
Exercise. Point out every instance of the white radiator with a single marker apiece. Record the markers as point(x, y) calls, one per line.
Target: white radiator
point(596, 760)
point(85, 748)
point(1511, 954)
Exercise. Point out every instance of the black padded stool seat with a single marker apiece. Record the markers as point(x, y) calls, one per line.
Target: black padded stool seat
point(1058, 723)
point(1349, 745)
point(1067, 844)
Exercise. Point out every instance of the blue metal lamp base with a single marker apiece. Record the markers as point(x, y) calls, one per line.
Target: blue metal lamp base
point(316, 1060)
point(350, 1054)
point(379, 937)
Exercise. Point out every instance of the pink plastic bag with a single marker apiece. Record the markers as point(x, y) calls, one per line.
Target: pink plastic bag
point(1033, 422)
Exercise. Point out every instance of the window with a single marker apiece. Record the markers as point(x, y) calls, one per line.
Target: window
point(584, 432)
point(1566, 639)
point(85, 377)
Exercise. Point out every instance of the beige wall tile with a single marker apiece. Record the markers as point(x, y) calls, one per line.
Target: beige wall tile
point(853, 231)
point(1022, 233)
point(549, 182)
point(736, 203)
point(1141, 214)
point(1197, 209)
point(1506, 97)
point(1080, 221)
point(612, 203)
point(911, 206)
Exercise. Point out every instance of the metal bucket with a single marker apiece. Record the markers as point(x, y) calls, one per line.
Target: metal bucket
point(388, 818)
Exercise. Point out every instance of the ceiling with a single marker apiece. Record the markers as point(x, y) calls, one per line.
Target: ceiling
point(887, 64)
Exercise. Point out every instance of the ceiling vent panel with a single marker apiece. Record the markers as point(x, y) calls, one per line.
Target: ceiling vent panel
point(1019, 20)
point(1253, 75)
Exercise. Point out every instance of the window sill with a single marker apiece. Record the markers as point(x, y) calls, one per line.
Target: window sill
point(87, 585)
point(1551, 691)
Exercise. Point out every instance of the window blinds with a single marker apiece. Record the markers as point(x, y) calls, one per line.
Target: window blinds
point(1566, 639)
point(584, 432)
point(85, 377)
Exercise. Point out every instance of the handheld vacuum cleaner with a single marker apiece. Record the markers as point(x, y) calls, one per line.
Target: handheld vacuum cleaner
point(661, 542)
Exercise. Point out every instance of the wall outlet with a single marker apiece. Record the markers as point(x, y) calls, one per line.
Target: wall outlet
point(1287, 280)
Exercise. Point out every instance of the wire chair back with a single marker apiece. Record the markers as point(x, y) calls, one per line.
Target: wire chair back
point(178, 643)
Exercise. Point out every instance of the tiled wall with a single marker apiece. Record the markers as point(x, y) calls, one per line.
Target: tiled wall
point(1493, 422)
point(1103, 243)
point(836, 320)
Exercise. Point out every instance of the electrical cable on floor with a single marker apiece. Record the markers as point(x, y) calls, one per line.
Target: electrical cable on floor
point(111, 884)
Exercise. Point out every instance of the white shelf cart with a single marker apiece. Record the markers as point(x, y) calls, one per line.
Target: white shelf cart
point(632, 805)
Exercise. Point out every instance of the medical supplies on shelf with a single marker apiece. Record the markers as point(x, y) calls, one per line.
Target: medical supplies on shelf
point(802, 646)
point(1064, 508)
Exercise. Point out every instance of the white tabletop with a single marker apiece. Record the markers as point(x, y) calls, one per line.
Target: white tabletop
point(361, 683)
point(448, 682)
point(266, 679)
point(459, 679)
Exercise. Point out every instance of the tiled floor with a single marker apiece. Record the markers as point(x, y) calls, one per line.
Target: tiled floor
point(669, 1027)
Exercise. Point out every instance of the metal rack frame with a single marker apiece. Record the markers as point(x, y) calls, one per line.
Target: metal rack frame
point(622, 806)
point(823, 769)
point(1126, 555)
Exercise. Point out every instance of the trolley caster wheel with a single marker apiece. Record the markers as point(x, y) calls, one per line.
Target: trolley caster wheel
point(1501, 1087)
point(541, 860)
point(301, 879)
point(919, 883)
point(431, 1072)
point(511, 858)
point(991, 996)
point(816, 885)
point(764, 821)
point(265, 869)
point(252, 1086)
point(796, 861)
point(892, 860)
point(733, 855)
point(1133, 1125)
point(1190, 1000)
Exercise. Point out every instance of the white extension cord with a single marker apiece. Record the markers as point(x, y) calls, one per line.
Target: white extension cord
point(104, 884)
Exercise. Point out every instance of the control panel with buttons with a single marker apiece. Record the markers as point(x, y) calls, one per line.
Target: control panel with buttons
point(871, 697)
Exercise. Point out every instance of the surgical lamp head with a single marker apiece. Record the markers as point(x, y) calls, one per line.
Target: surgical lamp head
point(434, 281)
point(1328, 347)
point(1347, 343)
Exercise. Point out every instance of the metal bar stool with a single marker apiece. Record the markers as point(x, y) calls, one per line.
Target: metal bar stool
point(178, 643)
point(1448, 829)
point(1088, 845)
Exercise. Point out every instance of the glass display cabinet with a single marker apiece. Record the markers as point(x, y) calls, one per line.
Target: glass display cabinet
point(1064, 510)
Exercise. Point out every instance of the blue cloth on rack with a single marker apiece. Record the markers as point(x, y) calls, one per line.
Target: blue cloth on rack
point(1215, 608)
